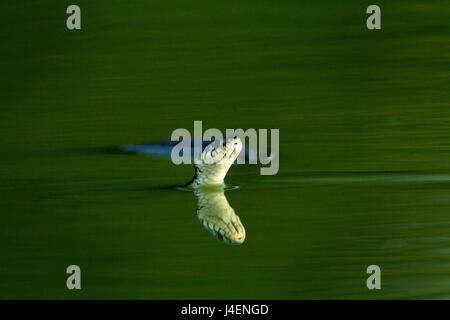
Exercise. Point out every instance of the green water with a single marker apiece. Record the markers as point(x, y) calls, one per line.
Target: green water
point(364, 119)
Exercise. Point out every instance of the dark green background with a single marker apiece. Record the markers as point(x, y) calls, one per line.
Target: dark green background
point(364, 125)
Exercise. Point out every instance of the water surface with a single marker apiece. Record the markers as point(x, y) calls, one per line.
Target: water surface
point(364, 140)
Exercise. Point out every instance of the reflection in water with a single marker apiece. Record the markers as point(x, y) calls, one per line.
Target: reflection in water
point(217, 216)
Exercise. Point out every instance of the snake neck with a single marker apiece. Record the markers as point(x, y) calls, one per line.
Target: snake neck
point(208, 175)
point(194, 182)
point(211, 166)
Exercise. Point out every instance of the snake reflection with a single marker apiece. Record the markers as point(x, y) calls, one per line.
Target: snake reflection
point(210, 168)
point(217, 216)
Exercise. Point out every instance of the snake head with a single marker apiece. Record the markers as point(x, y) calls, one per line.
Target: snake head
point(221, 151)
point(216, 159)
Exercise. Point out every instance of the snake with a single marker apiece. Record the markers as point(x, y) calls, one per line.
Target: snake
point(211, 165)
point(213, 210)
point(210, 169)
